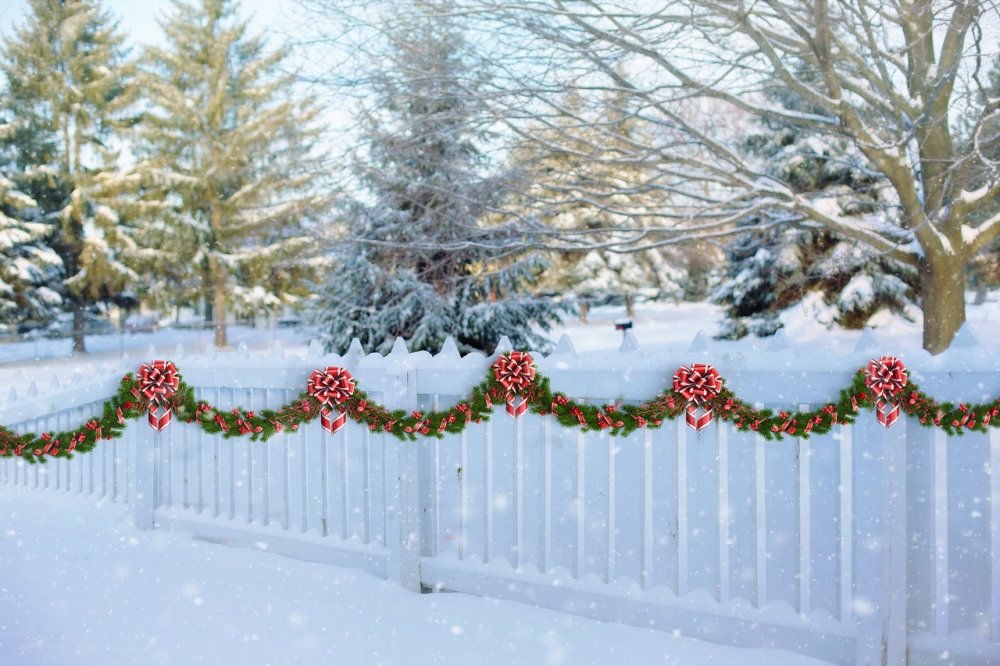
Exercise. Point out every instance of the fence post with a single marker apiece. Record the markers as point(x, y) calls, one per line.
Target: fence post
point(143, 460)
point(401, 481)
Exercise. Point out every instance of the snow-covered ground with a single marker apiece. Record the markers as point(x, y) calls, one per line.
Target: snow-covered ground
point(79, 585)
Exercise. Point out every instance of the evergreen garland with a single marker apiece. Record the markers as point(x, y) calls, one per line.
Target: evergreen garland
point(617, 418)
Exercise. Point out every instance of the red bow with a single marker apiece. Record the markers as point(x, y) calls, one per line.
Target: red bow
point(515, 372)
point(158, 381)
point(886, 378)
point(331, 388)
point(697, 384)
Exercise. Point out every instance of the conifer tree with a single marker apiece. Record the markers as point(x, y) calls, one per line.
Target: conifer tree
point(769, 269)
point(227, 164)
point(427, 185)
point(69, 88)
point(27, 264)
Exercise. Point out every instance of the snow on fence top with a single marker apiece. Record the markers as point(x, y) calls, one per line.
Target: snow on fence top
point(779, 374)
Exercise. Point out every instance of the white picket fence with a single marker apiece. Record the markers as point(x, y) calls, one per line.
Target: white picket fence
point(864, 546)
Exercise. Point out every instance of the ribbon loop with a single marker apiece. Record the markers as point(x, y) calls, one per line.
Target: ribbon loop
point(515, 372)
point(698, 385)
point(332, 388)
point(886, 378)
point(158, 381)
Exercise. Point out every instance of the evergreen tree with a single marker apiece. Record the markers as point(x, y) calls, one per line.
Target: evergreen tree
point(770, 269)
point(27, 264)
point(424, 182)
point(69, 88)
point(227, 164)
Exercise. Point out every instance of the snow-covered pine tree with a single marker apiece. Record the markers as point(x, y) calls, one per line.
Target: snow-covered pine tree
point(227, 160)
point(27, 264)
point(424, 179)
point(770, 269)
point(68, 89)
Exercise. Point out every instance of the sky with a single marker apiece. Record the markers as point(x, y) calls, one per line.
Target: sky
point(138, 17)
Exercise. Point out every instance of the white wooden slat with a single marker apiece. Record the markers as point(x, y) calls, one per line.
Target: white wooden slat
point(464, 500)
point(546, 554)
point(346, 482)
point(647, 510)
point(609, 573)
point(895, 522)
point(519, 543)
point(286, 473)
point(724, 573)
point(682, 508)
point(940, 517)
point(248, 471)
point(995, 534)
point(488, 551)
point(231, 456)
point(581, 497)
point(846, 522)
point(266, 467)
point(760, 523)
point(324, 514)
point(805, 525)
point(366, 504)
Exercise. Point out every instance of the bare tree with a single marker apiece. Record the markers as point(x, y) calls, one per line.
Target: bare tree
point(889, 77)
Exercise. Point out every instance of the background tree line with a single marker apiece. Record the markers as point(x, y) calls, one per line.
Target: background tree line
point(844, 151)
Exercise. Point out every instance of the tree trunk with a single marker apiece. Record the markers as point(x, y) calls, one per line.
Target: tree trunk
point(219, 310)
point(942, 283)
point(78, 324)
point(630, 306)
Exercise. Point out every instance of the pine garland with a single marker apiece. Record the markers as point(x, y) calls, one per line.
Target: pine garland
point(130, 402)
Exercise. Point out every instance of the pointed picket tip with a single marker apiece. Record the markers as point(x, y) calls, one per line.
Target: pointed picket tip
point(779, 342)
point(151, 352)
point(503, 346)
point(356, 350)
point(54, 384)
point(449, 348)
point(965, 338)
point(630, 344)
point(77, 377)
point(315, 349)
point(699, 343)
point(12, 395)
point(179, 350)
point(868, 342)
point(33, 388)
point(399, 348)
point(565, 345)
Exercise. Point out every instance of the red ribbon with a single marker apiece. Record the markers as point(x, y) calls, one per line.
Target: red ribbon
point(516, 409)
point(331, 388)
point(515, 372)
point(697, 384)
point(158, 381)
point(886, 377)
